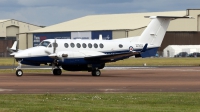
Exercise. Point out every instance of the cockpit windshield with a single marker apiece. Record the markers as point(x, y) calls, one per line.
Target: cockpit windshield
point(44, 43)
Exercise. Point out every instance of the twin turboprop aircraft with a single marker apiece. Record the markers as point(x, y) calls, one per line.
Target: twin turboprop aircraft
point(91, 55)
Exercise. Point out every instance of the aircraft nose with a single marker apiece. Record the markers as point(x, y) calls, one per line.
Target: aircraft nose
point(18, 55)
point(31, 52)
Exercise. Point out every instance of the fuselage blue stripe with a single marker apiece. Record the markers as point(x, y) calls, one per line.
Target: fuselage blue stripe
point(68, 61)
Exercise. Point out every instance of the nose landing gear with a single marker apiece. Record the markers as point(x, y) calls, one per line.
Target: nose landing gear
point(19, 72)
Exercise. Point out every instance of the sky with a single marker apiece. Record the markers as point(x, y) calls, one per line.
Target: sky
point(50, 12)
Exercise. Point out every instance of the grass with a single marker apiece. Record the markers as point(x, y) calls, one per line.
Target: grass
point(136, 62)
point(112, 102)
point(138, 102)
point(6, 61)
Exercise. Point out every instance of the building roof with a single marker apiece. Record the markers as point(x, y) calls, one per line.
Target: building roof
point(3, 20)
point(107, 22)
point(11, 27)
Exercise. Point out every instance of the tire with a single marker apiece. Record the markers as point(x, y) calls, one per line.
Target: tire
point(19, 73)
point(57, 71)
point(96, 73)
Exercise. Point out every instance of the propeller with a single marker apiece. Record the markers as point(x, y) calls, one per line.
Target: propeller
point(14, 64)
point(54, 55)
point(55, 45)
point(13, 48)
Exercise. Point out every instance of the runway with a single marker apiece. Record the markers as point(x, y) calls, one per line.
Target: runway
point(112, 80)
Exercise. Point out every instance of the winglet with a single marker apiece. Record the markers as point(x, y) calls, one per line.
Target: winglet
point(144, 48)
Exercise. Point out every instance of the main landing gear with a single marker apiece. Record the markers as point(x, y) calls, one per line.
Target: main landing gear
point(57, 71)
point(96, 72)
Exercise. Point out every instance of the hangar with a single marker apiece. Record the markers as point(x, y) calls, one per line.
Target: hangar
point(9, 28)
point(113, 26)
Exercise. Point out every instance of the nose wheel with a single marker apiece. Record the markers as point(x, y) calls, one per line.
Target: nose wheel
point(19, 72)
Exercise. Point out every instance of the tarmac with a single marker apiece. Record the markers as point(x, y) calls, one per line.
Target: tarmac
point(112, 80)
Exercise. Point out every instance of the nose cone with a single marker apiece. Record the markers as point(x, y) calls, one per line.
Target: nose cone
point(20, 54)
point(31, 52)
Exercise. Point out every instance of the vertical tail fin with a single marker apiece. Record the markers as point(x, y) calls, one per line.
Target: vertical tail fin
point(155, 31)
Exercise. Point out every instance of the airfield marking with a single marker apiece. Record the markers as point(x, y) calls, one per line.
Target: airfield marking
point(2, 90)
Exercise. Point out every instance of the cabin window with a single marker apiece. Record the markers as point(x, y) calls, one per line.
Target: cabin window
point(84, 45)
point(78, 45)
point(90, 45)
point(120, 45)
point(95, 45)
point(72, 45)
point(101, 45)
point(66, 45)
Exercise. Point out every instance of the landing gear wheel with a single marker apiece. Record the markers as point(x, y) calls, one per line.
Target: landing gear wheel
point(57, 71)
point(96, 73)
point(19, 73)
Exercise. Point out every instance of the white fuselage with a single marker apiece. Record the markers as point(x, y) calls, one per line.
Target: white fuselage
point(80, 48)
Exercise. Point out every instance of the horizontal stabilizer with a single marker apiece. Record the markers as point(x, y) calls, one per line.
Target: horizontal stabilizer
point(173, 17)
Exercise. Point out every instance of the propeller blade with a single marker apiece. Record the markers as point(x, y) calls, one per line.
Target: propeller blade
point(13, 48)
point(9, 50)
point(55, 45)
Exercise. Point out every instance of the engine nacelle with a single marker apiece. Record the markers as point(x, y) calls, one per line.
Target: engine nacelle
point(69, 54)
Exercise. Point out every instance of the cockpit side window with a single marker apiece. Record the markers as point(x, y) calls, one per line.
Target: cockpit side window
point(44, 43)
point(50, 45)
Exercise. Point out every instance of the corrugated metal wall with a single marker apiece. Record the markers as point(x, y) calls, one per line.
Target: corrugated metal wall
point(180, 38)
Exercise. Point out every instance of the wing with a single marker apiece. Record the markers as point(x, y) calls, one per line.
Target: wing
point(111, 57)
point(115, 57)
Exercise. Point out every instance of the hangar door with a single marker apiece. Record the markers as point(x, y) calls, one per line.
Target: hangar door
point(11, 31)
